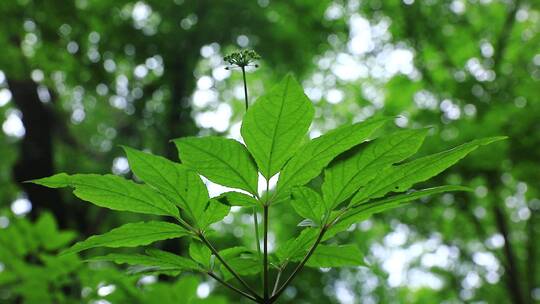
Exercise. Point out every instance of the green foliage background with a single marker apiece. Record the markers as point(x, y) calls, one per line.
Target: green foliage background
point(112, 73)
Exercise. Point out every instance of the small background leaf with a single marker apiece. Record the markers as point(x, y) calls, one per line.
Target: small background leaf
point(336, 256)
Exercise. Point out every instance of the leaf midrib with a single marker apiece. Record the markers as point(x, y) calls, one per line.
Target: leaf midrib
point(84, 246)
point(121, 194)
point(284, 94)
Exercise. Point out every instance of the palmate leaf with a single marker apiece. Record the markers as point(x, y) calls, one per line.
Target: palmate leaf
point(362, 212)
point(312, 157)
point(336, 256)
point(113, 192)
point(346, 176)
point(178, 183)
point(153, 258)
point(131, 235)
point(402, 177)
point(223, 161)
point(275, 125)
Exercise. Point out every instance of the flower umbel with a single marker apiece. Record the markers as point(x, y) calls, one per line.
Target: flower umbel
point(242, 58)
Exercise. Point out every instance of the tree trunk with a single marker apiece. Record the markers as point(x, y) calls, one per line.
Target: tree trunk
point(36, 150)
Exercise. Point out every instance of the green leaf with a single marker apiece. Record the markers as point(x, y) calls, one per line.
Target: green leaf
point(113, 192)
point(131, 235)
point(346, 176)
point(200, 253)
point(178, 183)
point(153, 257)
point(402, 177)
point(296, 248)
point(241, 259)
point(234, 252)
point(275, 125)
point(181, 291)
point(47, 232)
point(312, 157)
point(235, 257)
point(237, 199)
point(308, 204)
point(244, 266)
point(364, 211)
point(154, 270)
point(221, 160)
point(336, 256)
point(214, 212)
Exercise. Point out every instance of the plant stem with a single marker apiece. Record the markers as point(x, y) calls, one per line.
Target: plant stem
point(278, 277)
point(265, 253)
point(300, 266)
point(232, 271)
point(185, 225)
point(256, 224)
point(255, 220)
point(245, 87)
point(247, 295)
point(257, 239)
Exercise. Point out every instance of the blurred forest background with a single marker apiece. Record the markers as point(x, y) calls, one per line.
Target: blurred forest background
point(79, 78)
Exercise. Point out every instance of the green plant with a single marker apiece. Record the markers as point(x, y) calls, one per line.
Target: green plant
point(362, 176)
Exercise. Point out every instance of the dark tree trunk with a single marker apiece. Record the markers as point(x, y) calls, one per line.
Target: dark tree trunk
point(36, 150)
point(178, 121)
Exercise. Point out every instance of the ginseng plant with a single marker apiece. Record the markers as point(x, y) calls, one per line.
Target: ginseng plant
point(362, 174)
